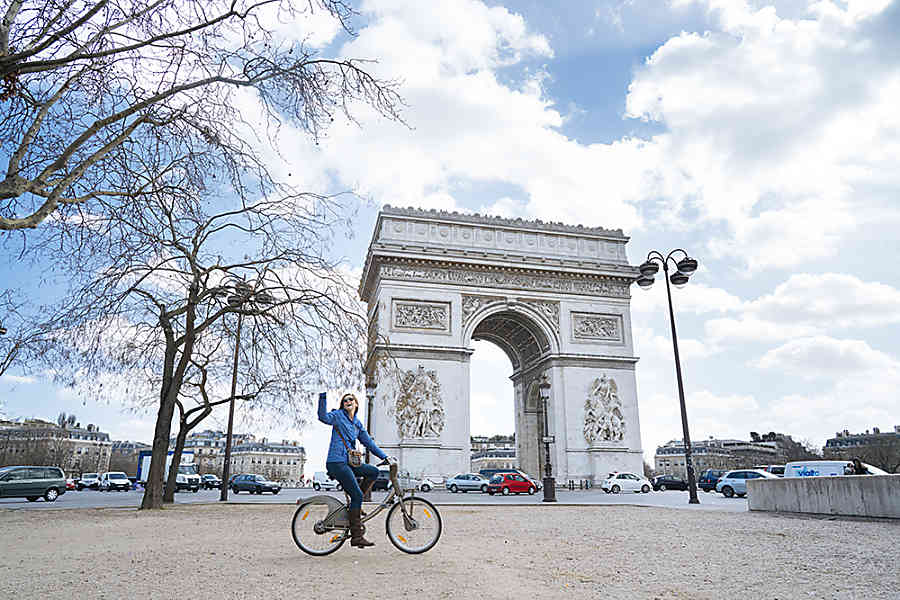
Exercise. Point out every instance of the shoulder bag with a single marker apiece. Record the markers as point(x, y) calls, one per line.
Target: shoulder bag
point(354, 456)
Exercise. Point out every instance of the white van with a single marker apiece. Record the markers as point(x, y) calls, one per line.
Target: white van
point(824, 468)
point(322, 482)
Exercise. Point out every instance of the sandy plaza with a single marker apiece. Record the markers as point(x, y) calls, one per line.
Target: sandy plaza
point(210, 551)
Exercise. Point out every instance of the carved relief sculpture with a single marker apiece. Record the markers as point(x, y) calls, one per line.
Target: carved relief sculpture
point(471, 304)
point(603, 418)
point(419, 411)
point(409, 315)
point(507, 279)
point(548, 308)
point(596, 327)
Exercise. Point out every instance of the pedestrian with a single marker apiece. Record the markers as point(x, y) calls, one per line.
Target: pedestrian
point(859, 468)
point(344, 462)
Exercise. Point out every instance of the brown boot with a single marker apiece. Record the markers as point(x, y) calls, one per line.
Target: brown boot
point(356, 530)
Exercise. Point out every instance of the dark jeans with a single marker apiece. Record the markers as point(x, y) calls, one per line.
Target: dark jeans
point(346, 475)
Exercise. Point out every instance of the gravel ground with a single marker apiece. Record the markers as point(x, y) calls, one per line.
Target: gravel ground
point(487, 552)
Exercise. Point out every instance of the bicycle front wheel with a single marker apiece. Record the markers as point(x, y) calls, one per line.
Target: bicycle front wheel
point(416, 531)
point(309, 532)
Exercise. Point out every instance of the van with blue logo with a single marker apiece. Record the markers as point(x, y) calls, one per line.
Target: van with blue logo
point(824, 468)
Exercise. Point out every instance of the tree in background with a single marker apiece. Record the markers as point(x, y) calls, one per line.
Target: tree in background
point(89, 89)
point(123, 122)
point(154, 318)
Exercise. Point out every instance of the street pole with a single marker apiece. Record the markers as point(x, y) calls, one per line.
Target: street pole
point(549, 481)
point(688, 460)
point(370, 397)
point(226, 467)
point(684, 269)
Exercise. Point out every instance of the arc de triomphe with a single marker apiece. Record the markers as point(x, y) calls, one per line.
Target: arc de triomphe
point(553, 297)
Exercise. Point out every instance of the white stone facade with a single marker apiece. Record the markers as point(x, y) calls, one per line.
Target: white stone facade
point(554, 297)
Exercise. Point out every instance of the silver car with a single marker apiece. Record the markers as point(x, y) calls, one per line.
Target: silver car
point(465, 482)
point(734, 483)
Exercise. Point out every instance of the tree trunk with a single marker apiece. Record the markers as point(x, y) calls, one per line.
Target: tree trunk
point(171, 481)
point(153, 493)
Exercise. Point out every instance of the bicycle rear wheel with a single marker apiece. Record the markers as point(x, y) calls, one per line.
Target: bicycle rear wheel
point(420, 532)
point(309, 533)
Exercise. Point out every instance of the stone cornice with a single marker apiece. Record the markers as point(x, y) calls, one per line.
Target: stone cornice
point(519, 224)
point(494, 276)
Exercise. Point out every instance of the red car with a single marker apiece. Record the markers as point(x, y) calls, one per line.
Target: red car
point(510, 483)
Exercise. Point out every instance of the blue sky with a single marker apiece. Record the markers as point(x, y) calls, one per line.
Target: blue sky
point(762, 137)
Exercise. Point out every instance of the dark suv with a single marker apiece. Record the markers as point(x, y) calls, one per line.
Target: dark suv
point(32, 483)
point(709, 478)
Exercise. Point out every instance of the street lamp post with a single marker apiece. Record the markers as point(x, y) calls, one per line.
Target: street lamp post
point(243, 294)
point(370, 398)
point(549, 481)
point(683, 270)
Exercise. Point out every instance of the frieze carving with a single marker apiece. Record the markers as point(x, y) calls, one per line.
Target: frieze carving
point(589, 326)
point(506, 279)
point(419, 410)
point(548, 308)
point(491, 220)
point(421, 315)
point(471, 304)
point(603, 418)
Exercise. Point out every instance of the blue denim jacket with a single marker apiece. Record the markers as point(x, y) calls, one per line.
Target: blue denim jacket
point(351, 430)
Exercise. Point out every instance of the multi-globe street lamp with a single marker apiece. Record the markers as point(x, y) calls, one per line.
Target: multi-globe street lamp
point(240, 295)
point(370, 399)
point(549, 481)
point(683, 270)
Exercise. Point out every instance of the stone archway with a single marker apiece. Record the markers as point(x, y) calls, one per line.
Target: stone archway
point(554, 298)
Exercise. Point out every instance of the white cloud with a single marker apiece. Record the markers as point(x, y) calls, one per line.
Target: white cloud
point(823, 356)
point(776, 124)
point(806, 305)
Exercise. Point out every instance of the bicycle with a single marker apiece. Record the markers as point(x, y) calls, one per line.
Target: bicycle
point(321, 524)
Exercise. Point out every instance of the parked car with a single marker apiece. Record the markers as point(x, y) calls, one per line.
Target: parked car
point(70, 484)
point(255, 484)
point(429, 483)
point(321, 481)
point(114, 480)
point(32, 483)
point(709, 478)
point(465, 482)
point(210, 482)
point(662, 483)
point(625, 482)
point(773, 469)
point(510, 483)
point(734, 483)
point(90, 481)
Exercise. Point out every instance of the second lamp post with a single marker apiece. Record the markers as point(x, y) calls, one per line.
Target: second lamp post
point(683, 270)
point(240, 294)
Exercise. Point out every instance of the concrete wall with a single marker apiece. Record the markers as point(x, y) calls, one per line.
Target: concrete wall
point(860, 496)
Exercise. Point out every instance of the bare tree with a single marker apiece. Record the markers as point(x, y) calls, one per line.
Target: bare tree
point(158, 303)
point(90, 87)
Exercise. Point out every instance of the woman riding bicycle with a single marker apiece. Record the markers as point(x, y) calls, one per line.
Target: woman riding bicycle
point(346, 429)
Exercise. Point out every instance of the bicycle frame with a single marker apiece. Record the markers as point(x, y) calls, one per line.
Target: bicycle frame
point(338, 518)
